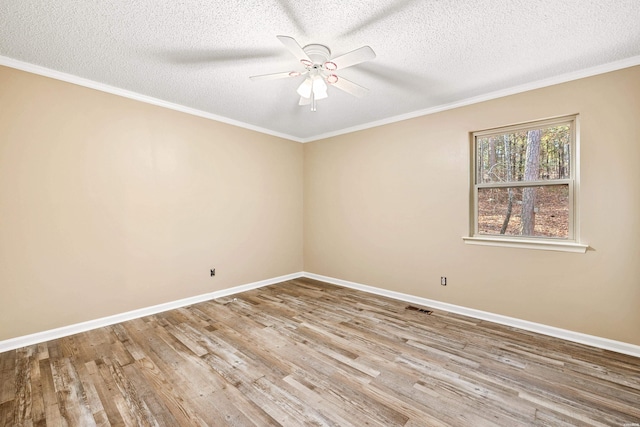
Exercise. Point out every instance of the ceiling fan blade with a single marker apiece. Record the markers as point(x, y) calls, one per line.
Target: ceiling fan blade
point(350, 87)
point(292, 12)
point(385, 13)
point(293, 46)
point(219, 56)
point(365, 53)
point(274, 76)
point(304, 101)
point(398, 77)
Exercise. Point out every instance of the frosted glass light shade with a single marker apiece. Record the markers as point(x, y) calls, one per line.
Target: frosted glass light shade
point(319, 88)
point(304, 90)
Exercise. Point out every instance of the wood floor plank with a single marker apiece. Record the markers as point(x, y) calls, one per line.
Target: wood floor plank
point(135, 405)
point(7, 376)
point(149, 394)
point(22, 400)
point(49, 395)
point(304, 352)
point(104, 393)
point(7, 413)
point(71, 397)
point(38, 414)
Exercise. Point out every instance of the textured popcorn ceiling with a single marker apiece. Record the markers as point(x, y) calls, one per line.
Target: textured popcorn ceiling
point(430, 53)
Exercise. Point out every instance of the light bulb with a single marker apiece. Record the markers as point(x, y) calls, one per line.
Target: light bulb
point(319, 87)
point(304, 90)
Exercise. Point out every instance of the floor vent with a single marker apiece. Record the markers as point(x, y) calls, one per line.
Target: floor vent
point(418, 309)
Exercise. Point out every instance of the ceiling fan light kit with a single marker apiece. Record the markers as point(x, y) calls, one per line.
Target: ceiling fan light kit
point(318, 70)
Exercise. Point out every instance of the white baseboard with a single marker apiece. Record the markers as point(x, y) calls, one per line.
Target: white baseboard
point(603, 343)
point(64, 331)
point(593, 341)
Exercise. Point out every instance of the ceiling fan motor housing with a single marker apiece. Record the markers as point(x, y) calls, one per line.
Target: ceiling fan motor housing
point(318, 53)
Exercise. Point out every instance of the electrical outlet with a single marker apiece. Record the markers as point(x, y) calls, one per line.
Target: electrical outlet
point(213, 272)
point(443, 281)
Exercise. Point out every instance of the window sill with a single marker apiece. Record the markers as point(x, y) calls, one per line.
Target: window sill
point(546, 245)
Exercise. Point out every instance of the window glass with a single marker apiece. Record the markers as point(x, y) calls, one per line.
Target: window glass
point(524, 180)
point(502, 211)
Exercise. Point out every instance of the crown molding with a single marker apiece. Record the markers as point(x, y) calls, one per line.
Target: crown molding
point(91, 84)
point(538, 84)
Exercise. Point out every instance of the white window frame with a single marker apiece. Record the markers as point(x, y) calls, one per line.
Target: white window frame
point(570, 244)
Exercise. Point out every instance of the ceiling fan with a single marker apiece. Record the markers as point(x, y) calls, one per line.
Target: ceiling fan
point(320, 70)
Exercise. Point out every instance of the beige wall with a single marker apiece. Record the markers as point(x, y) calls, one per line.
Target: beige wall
point(109, 205)
point(388, 207)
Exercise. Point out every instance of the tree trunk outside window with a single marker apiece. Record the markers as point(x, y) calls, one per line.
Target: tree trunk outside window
point(507, 156)
point(531, 173)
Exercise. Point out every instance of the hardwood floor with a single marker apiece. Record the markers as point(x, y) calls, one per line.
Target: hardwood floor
point(308, 353)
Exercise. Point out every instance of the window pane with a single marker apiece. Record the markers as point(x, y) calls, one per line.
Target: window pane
point(524, 211)
point(527, 155)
